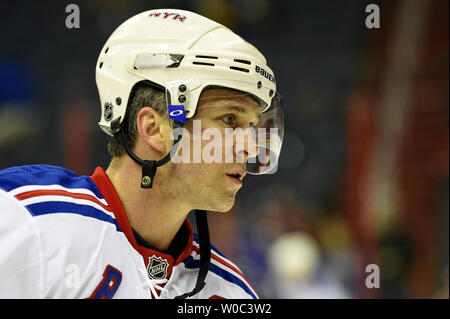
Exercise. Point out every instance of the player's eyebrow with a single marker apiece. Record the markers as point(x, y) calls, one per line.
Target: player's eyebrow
point(240, 109)
point(236, 108)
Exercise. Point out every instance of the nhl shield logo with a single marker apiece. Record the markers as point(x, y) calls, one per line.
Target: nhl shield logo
point(108, 112)
point(157, 267)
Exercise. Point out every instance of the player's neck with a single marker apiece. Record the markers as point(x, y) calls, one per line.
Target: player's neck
point(153, 213)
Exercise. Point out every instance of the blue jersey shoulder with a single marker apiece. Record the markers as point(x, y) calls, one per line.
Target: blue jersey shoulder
point(46, 175)
point(18, 176)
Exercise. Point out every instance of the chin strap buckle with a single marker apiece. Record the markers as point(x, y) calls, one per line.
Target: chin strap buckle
point(148, 173)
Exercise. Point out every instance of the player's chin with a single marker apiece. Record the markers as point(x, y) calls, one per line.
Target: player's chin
point(224, 205)
point(224, 210)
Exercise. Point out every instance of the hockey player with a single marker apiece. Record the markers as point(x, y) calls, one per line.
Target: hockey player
point(124, 232)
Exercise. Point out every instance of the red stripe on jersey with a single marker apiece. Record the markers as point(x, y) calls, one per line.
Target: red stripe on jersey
point(46, 192)
point(220, 260)
point(216, 297)
point(225, 263)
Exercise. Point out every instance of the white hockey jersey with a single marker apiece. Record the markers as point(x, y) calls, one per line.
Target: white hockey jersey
point(68, 236)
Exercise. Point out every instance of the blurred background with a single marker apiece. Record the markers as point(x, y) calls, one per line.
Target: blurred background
point(362, 186)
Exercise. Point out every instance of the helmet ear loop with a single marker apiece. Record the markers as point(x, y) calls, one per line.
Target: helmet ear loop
point(148, 167)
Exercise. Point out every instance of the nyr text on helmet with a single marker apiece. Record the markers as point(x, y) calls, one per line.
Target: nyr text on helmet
point(166, 15)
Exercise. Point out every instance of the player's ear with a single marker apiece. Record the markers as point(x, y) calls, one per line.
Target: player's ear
point(152, 129)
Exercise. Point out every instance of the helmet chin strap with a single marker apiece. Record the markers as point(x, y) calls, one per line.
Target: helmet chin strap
point(205, 253)
point(148, 167)
point(148, 174)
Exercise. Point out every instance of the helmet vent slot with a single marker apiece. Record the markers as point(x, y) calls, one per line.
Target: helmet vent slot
point(206, 57)
point(239, 69)
point(242, 61)
point(202, 63)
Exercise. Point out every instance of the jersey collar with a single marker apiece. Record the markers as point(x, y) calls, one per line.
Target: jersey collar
point(104, 184)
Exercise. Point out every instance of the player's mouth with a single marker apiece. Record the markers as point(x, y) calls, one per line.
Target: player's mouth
point(237, 175)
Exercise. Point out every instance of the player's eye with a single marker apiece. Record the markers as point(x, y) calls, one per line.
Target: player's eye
point(228, 119)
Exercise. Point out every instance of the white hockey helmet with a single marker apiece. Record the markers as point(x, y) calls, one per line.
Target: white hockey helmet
point(182, 53)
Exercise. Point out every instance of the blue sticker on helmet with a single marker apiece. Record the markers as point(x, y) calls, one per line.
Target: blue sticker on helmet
point(177, 113)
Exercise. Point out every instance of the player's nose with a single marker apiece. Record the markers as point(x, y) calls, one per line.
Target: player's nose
point(245, 147)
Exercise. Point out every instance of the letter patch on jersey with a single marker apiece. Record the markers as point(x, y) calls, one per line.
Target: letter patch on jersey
point(107, 288)
point(157, 267)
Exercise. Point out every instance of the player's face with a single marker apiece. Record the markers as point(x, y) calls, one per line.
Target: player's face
point(220, 143)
